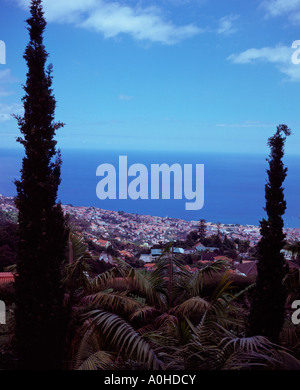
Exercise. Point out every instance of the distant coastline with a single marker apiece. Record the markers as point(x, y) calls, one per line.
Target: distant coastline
point(234, 184)
point(147, 229)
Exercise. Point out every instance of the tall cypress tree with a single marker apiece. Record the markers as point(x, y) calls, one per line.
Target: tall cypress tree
point(41, 223)
point(201, 229)
point(267, 309)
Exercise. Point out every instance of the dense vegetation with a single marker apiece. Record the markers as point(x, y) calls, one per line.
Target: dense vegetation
point(8, 240)
point(128, 318)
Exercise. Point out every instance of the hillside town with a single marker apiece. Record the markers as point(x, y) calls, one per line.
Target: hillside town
point(147, 230)
point(141, 236)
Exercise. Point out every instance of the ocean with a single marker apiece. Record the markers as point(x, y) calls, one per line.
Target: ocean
point(233, 184)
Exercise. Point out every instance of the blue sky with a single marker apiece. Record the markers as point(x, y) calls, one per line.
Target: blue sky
point(207, 75)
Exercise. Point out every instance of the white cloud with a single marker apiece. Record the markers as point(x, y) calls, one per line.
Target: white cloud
point(4, 92)
point(141, 24)
point(278, 7)
point(68, 11)
point(280, 56)
point(226, 25)
point(6, 78)
point(7, 110)
point(111, 18)
point(291, 8)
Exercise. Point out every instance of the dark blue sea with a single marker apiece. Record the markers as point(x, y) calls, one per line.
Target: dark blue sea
point(233, 184)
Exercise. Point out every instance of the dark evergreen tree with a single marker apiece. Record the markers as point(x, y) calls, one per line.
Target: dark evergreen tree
point(192, 238)
point(227, 244)
point(267, 309)
point(201, 229)
point(42, 227)
point(219, 230)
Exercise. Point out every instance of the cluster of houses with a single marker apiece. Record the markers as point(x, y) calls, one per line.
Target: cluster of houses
point(211, 254)
point(198, 248)
point(207, 255)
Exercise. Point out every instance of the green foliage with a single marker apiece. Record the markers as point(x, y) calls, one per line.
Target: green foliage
point(8, 243)
point(267, 310)
point(7, 216)
point(201, 230)
point(76, 272)
point(161, 319)
point(123, 338)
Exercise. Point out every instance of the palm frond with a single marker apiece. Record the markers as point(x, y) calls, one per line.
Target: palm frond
point(240, 360)
point(287, 360)
point(196, 281)
point(193, 305)
point(116, 302)
point(88, 345)
point(290, 334)
point(100, 360)
point(146, 283)
point(11, 268)
point(248, 344)
point(77, 269)
point(76, 275)
point(101, 281)
point(143, 312)
point(165, 319)
point(77, 248)
point(221, 290)
point(122, 337)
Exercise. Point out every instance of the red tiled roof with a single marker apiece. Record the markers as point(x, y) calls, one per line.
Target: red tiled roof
point(190, 269)
point(247, 267)
point(221, 258)
point(126, 253)
point(149, 265)
point(6, 277)
point(103, 242)
point(198, 244)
